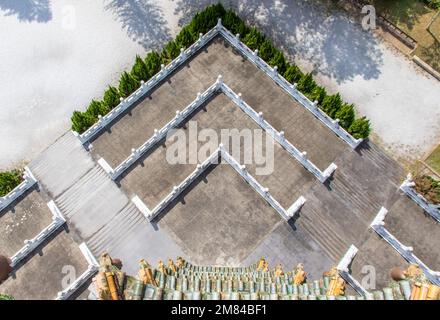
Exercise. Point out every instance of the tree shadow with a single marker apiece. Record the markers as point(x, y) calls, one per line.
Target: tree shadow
point(143, 21)
point(431, 55)
point(27, 10)
point(312, 31)
point(404, 12)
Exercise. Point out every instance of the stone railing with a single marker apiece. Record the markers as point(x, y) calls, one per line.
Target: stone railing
point(431, 209)
point(146, 87)
point(378, 225)
point(160, 134)
point(251, 56)
point(213, 159)
point(343, 268)
point(30, 245)
point(28, 181)
point(92, 268)
point(181, 116)
point(289, 88)
point(177, 190)
point(301, 157)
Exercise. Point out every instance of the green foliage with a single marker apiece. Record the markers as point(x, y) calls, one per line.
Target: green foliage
point(207, 19)
point(317, 94)
point(266, 50)
point(293, 74)
point(360, 128)
point(111, 97)
point(306, 84)
point(234, 24)
point(434, 4)
point(127, 85)
point(170, 52)
point(332, 104)
point(153, 62)
point(81, 121)
point(253, 39)
point(279, 61)
point(345, 115)
point(6, 297)
point(139, 70)
point(9, 180)
point(97, 108)
point(185, 38)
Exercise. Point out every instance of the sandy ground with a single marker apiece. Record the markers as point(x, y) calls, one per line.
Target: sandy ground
point(58, 55)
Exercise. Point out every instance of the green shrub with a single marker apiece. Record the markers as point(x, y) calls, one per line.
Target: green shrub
point(9, 180)
point(279, 61)
point(306, 84)
point(6, 297)
point(266, 50)
point(293, 74)
point(345, 115)
point(254, 39)
point(202, 22)
point(170, 52)
point(317, 94)
point(185, 38)
point(127, 85)
point(332, 104)
point(153, 62)
point(234, 24)
point(81, 121)
point(139, 70)
point(111, 97)
point(360, 128)
point(207, 19)
point(97, 108)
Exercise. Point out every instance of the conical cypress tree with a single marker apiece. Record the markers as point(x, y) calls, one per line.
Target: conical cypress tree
point(153, 62)
point(127, 85)
point(332, 104)
point(293, 74)
point(111, 97)
point(360, 128)
point(139, 70)
point(345, 115)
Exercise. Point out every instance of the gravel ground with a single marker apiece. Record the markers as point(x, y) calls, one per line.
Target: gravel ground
point(58, 55)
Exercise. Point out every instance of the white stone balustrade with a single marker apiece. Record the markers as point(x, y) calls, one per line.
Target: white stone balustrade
point(343, 268)
point(30, 245)
point(283, 83)
point(378, 225)
point(250, 55)
point(278, 136)
point(92, 269)
point(28, 181)
point(181, 116)
point(213, 159)
point(408, 188)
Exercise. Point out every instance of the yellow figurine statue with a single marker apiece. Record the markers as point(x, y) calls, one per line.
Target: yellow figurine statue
point(146, 273)
point(299, 274)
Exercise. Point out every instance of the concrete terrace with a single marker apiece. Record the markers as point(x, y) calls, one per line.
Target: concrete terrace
point(23, 220)
point(45, 273)
point(154, 177)
point(219, 219)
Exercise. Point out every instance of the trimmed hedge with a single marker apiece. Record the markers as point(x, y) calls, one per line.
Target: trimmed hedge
point(203, 21)
point(9, 180)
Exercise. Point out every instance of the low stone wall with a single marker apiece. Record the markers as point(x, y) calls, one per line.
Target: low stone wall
point(29, 182)
point(378, 225)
